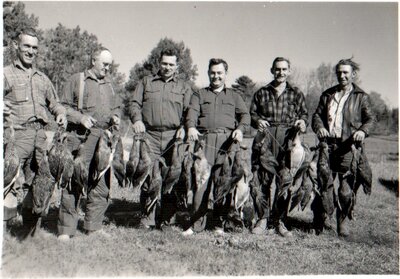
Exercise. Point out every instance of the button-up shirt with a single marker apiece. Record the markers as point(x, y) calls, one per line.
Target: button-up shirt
point(99, 99)
point(160, 104)
point(285, 109)
point(29, 94)
point(335, 113)
point(210, 110)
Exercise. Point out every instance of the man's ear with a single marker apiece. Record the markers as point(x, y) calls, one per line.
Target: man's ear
point(15, 44)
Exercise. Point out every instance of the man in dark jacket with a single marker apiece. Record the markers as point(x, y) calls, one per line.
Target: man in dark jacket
point(343, 117)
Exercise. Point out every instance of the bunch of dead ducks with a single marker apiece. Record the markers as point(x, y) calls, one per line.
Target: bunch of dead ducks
point(301, 175)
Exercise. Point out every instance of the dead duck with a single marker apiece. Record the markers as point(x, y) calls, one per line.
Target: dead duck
point(118, 164)
point(103, 155)
point(11, 162)
point(133, 162)
point(81, 172)
point(144, 168)
point(155, 185)
point(174, 171)
point(43, 185)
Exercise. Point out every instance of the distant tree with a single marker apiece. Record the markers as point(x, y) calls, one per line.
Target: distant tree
point(246, 88)
point(395, 120)
point(378, 106)
point(186, 70)
point(14, 20)
point(64, 52)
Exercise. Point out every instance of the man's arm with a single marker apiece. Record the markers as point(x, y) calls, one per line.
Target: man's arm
point(367, 115)
point(68, 99)
point(317, 123)
point(242, 113)
point(254, 110)
point(135, 103)
point(302, 111)
point(52, 98)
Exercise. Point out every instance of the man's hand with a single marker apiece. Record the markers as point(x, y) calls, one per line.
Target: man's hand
point(237, 135)
point(193, 134)
point(262, 124)
point(359, 136)
point(180, 133)
point(302, 124)
point(88, 121)
point(138, 127)
point(322, 133)
point(115, 120)
point(61, 120)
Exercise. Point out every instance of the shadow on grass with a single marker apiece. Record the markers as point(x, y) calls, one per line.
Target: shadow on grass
point(390, 184)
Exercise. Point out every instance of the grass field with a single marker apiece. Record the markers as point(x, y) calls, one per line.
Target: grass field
point(372, 248)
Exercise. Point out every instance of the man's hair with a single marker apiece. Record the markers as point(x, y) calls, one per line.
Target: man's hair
point(217, 61)
point(170, 52)
point(96, 52)
point(354, 66)
point(280, 59)
point(25, 31)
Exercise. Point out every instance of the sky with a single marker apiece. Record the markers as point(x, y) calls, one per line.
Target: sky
point(248, 35)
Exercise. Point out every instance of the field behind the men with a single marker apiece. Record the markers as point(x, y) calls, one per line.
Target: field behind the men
point(373, 247)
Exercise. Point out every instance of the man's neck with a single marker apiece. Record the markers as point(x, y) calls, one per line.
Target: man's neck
point(218, 89)
point(279, 87)
point(347, 88)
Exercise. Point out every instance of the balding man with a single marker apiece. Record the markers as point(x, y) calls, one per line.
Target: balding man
point(92, 105)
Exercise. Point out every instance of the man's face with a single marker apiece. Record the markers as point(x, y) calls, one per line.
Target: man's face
point(27, 48)
point(168, 66)
point(281, 71)
point(345, 75)
point(217, 75)
point(101, 64)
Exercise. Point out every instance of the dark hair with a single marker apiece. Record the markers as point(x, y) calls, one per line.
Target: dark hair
point(355, 66)
point(169, 52)
point(96, 52)
point(25, 31)
point(217, 61)
point(280, 59)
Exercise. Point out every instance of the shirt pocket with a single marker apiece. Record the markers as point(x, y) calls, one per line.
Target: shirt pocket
point(291, 110)
point(206, 107)
point(228, 107)
point(177, 96)
point(151, 95)
point(20, 92)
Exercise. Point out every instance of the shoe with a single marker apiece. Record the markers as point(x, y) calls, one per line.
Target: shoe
point(63, 237)
point(188, 232)
point(328, 222)
point(283, 231)
point(260, 227)
point(343, 228)
point(219, 231)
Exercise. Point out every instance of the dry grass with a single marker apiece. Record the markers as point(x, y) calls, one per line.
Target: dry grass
point(373, 247)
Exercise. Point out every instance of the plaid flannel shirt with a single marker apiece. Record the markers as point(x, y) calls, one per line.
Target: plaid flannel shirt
point(289, 107)
point(28, 95)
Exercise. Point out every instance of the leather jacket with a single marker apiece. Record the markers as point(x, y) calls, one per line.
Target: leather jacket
point(357, 112)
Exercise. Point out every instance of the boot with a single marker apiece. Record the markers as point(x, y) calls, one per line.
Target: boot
point(328, 222)
point(260, 227)
point(282, 230)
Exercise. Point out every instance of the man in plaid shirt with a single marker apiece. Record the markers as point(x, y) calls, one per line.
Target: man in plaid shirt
point(275, 108)
point(28, 94)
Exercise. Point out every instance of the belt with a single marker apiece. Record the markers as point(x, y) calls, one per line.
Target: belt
point(161, 129)
point(37, 125)
point(215, 131)
point(334, 140)
point(280, 124)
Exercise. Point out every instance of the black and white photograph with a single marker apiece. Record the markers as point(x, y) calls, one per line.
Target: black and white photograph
point(201, 138)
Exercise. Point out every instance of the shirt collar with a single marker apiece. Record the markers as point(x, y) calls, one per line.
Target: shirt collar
point(270, 86)
point(158, 77)
point(89, 74)
point(18, 64)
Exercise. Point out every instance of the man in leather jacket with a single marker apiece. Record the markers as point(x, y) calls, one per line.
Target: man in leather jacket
point(343, 117)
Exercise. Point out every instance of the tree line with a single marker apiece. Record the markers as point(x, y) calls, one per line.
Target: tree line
point(64, 51)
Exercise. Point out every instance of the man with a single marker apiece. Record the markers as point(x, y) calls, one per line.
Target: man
point(344, 116)
point(28, 93)
point(157, 108)
point(275, 108)
point(220, 115)
point(92, 106)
